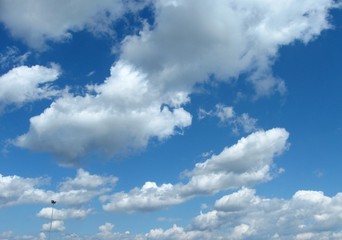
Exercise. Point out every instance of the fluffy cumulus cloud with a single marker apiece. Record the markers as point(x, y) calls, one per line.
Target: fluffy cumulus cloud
point(13, 188)
point(56, 226)
point(26, 84)
point(149, 197)
point(62, 214)
point(143, 99)
point(176, 233)
point(85, 180)
point(240, 215)
point(121, 114)
point(106, 232)
point(244, 215)
point(39, 21)
point(16, 190)
point(247, 162)
point(194, 39)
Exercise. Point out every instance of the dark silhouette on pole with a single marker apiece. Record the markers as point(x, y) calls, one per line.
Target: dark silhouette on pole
point(53, 202)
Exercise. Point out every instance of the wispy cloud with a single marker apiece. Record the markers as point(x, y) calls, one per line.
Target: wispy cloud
point(227, 115)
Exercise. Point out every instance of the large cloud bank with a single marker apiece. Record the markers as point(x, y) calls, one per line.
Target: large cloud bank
point(241, 214)
point(245, 215)
point(144, 96)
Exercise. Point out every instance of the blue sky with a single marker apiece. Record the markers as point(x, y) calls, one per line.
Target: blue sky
point(170, 119)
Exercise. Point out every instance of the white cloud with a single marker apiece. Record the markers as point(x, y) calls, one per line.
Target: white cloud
point(38, 21)
point(6, 234)
point(227, 115)
point(237, 201)
point(56, 226)
point(193, 39)
point(247, 123)
point(177, 233)
point(73, 236)
point(26, 84)
point(91, 73)
point(246, 163)
point(61, 214)
point(148, 198)
point(13, 187)
point(42, 236)
point(85, 180)
point(224, 113)
point(241, 215)
point(106, 233)
point(12, 57)
point(76, 191)
point(241, 232)
point(16, 190)
point(10, 235)
point(307, 215)
point(121, 114)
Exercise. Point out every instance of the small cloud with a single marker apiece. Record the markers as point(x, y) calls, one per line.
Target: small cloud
point(224, 113)
point(318, 173)
point(42, 236)
point(61, 214)
point(11, 57)
point(207, 154)
point(91, 73)
point(204, 206)
point(244, 122)
point(227, 115)
point(74, 192)
point(202, 114)
point(56, 226)
point(25, 84)
point(166, 219)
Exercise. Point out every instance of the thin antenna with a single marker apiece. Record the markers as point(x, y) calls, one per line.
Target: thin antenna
point(53, 202)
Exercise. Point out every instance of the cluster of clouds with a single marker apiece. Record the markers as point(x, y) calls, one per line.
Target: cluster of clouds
point(227, 115)
point(157, 67)
point(246, 163)
point(307, 215)
point(244, 215)
point(16, 190)
point(74, 193)
point(239, 215)
point(189, 43)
